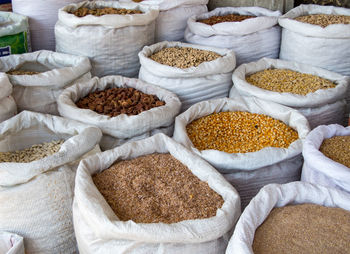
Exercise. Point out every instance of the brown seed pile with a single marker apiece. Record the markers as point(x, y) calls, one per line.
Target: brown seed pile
point(20, 72)
point(288, 81)
point(119, 100)
point(33, 153)
point(226, 18)
point(156, 188)
point(338, 149)
point(306, 228)
point(183, 57)
point(324, 19)
point(83, 11)
point(239, 132)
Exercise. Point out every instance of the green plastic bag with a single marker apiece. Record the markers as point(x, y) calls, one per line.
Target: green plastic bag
point(13, 34)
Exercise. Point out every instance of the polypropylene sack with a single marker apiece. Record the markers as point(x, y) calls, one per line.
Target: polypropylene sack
point(328, 47)
point(261, 33)
point(11, 243)
point(122, 128)
point(206, 81)
point(275, 195)
point(8, 107)
point(40, 92)
point(112, 42)
point(325, 106)
point(98, 229)
point(42, 19)
point(14, 34)
point(318, 168)
point(248, 172)
point(36, 197)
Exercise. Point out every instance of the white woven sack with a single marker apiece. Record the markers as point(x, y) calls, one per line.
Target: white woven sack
point(8, 106)
point(318, 168)
point(325, 106)
point(122, 128)
point(98, 229)
point(206, 81)
point(112, 42)
point(42, 19)
point(275, 195)
point(36, 198)
point(39, 92)
point(11, 243)
point(328, 47)
point(261, 33)
point(248, 172)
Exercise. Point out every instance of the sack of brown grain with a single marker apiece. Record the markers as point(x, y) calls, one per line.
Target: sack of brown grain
point(11, 243)
point(220, 139)
point(281, 196)
point(8, 107)
point(99, 230)
point(316, 93)
point(130, 109)
point(39, 77)
point(259, 32)
point(37, 178)
point(327, 163)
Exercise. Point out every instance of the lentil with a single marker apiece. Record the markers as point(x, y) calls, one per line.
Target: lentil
point(324, 20)
point(305, 228)
point(35, 152)
point(288, 81)
point(239, 132)
point(156, 188)
point(226, 18)
point(119, 100)
point(338, 149)
point(83, 11)
point(20, 72)
point(183, 57)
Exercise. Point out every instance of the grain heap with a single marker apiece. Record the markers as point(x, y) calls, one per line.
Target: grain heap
point(324, 20)
point(306, 228)
point(22, 72)
point(156, 188)
point(338, 149)
point(83, 11)
point(225, 18)
point(239, 132)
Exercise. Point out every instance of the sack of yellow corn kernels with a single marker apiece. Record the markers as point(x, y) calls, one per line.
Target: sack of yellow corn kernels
point(236, 137)
point(317, 93)
point(8, 106)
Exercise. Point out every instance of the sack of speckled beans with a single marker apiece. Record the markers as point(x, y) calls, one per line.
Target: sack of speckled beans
point(195, 73)
point(294, 218)
point(317, 93)
point(152, 196)
point(251, 32)
point(110, 33)
point(124, 109)
point(8, 107)
point(39, 155)
point(252, 142)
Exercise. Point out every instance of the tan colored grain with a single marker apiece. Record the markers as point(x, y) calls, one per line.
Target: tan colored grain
point(20, 72)
point(83, 11)
point(338, 149)
point(225, 18)
point(324, 19)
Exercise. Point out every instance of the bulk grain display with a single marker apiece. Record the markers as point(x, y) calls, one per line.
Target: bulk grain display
point(39, 154)
point(39, 77)
point(251, 32)
point(326, 154)
point(111, 41)
point(195, 73)
point(176, 202)
point(250, 141)
point(294, 218)
point(14, 34)
point(8, 107)
point(316, 93)
point(11, 243)
point(124, 109)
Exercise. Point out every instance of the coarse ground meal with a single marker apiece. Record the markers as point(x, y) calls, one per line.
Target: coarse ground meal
point(33, 153)
point(83, 11)
point(239, 132)
point(288, 81)
point(119, 100)
point(156, 188)
point(226, 18)
point(20, 72)
point(324, 19)
point(338, 149)
point(306, 228)
point(183, 57)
